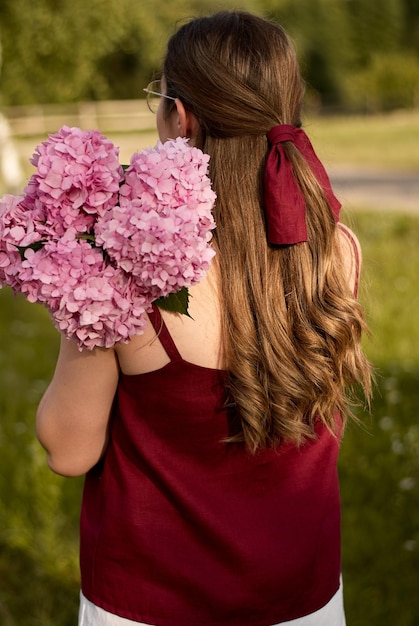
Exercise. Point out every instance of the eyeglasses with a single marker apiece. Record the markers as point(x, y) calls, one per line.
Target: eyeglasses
point(153, 91)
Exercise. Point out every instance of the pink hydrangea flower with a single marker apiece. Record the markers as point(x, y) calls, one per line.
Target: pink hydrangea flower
point(77, 178)
point(88, 299)
point(161, 229)
point(17, 230)
point(97, 253)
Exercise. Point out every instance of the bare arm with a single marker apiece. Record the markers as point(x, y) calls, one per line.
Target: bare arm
point(73, 415)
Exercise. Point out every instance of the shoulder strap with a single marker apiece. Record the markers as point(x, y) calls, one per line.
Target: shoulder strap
point(163, 334)
point(349, 236)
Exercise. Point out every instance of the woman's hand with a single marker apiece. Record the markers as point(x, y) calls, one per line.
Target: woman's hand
point(73, 415)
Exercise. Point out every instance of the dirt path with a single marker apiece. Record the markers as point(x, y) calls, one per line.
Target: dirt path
point(376, 189)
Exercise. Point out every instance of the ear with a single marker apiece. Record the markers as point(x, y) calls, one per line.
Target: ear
point(188, 125)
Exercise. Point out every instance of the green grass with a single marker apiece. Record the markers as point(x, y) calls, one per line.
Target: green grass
point(379, 474)
point(386, 141)
point(389, 287)
point(379, 463)
point(38, 510)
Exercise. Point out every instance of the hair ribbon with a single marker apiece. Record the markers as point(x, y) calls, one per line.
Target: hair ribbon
point(285, 206)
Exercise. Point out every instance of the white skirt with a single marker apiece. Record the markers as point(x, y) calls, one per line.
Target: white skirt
point(332, 614)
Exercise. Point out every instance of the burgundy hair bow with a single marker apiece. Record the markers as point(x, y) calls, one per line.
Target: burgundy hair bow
point(285, 206)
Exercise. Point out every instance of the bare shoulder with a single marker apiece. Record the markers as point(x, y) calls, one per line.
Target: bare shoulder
point(351, 253)
point(142, 353)
point(196, 337)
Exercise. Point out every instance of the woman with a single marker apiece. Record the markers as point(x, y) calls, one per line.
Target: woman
point(210, 442)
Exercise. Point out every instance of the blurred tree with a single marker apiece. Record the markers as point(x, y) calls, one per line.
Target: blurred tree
point(411, 19)
point(385, 74)
point(376, 27)
point(356, 54)
point(53, 50)
point(69, 50)
point(320, 30)
point(390, 81)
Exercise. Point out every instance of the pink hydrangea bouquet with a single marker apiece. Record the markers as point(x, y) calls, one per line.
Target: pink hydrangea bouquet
point(97, 243)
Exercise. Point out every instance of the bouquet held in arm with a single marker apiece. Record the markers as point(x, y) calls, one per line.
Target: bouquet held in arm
point(97, 243)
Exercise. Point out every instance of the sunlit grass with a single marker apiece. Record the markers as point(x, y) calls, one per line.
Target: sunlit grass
point(38, 510)
point(379, 463)
point(389, 286)
point(389, 141)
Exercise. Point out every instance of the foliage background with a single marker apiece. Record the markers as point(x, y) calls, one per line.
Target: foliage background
point(356, 54)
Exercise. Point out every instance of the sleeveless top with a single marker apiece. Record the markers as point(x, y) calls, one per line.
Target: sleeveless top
point(179, 528)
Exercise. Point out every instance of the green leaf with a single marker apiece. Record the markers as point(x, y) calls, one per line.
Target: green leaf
point(89, 237)
point(37, 245)
point(175, 302)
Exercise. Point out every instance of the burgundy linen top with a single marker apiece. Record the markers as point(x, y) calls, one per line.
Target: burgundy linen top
point(181, 529)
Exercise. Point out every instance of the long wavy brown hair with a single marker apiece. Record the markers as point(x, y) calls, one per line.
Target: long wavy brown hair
point(291, 326)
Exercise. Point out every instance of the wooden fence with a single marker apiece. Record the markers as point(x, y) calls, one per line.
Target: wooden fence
point(120, 116)
point(128, 123)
